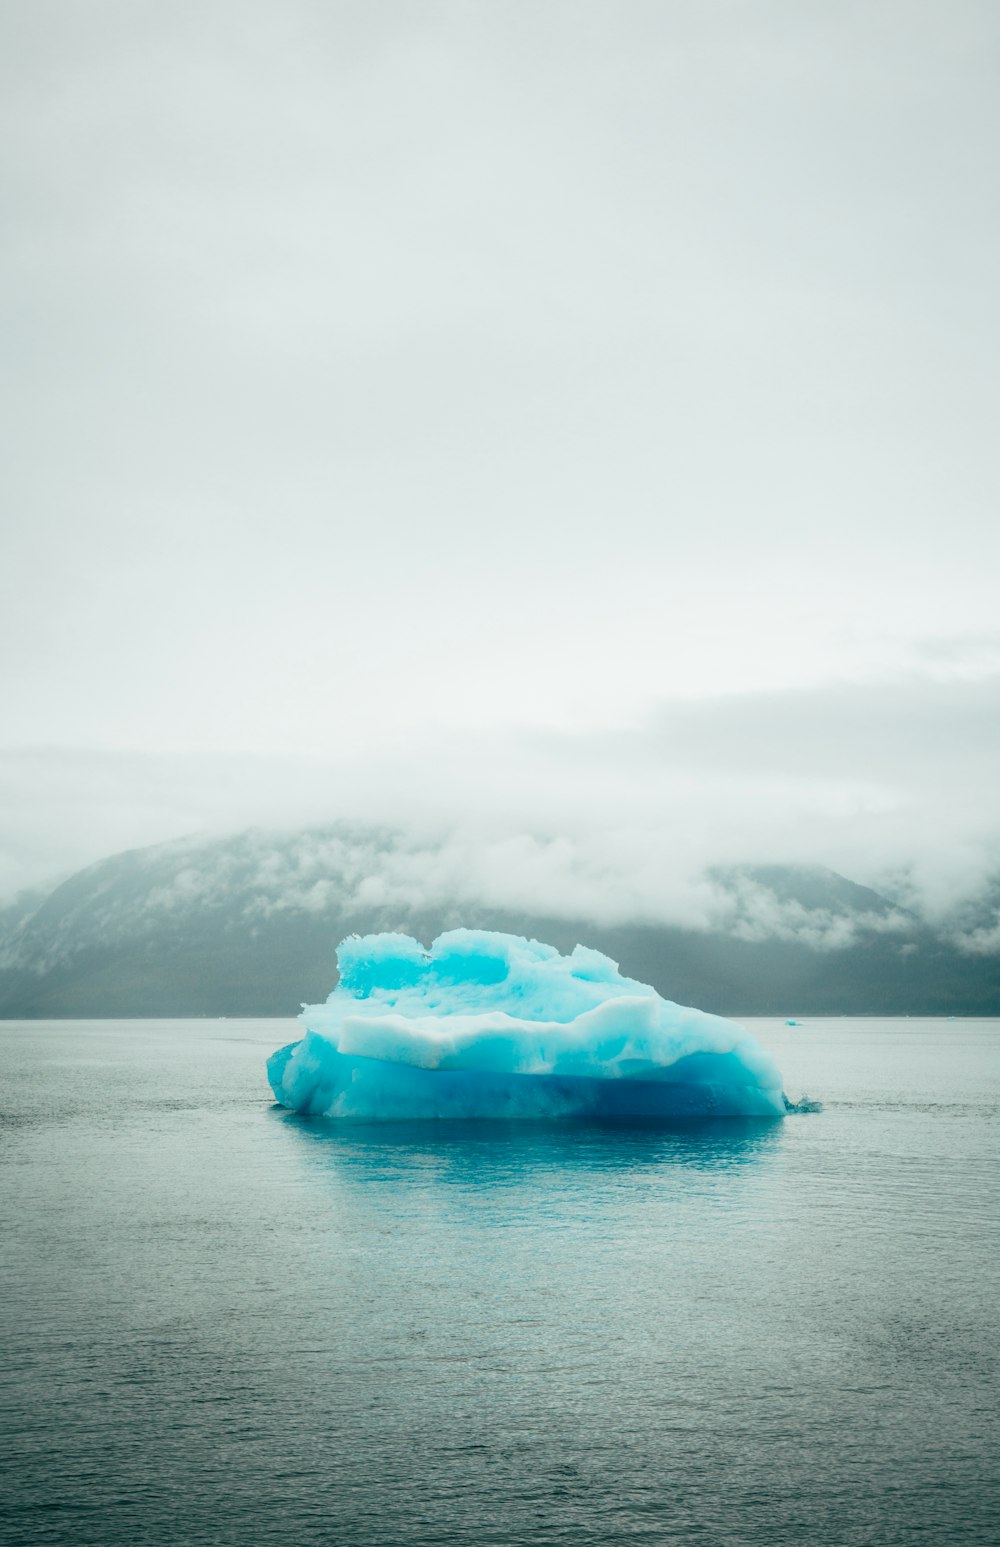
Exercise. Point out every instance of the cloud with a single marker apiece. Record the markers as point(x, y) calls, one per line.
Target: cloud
point(980, 942)
point(891, 783)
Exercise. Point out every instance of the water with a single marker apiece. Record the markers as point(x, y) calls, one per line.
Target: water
point(224, 1324)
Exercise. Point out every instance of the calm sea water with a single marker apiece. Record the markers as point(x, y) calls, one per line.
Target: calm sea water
point(224, 1324)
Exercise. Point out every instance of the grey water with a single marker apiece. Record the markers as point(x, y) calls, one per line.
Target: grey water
point(225, 1324)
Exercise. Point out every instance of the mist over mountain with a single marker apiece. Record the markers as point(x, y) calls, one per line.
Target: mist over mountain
point(248, 924)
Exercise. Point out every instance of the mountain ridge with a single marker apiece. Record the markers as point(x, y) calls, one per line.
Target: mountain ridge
point(248, 924)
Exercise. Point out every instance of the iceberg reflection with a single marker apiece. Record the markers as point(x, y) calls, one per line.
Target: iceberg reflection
point(494, 1154)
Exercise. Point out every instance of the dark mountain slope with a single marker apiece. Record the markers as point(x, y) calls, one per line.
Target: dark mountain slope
point(248, 925)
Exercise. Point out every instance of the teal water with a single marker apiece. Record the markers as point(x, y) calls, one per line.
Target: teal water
point(224, 1324)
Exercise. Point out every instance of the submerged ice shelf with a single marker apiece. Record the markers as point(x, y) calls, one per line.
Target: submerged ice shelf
point(486, 1025)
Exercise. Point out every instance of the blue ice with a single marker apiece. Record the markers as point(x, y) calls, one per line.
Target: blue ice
point(486, 1025)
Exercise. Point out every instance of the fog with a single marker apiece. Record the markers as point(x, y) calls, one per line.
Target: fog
point(891, 783)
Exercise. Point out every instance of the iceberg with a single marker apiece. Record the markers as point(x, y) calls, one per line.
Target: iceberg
point(486, 1025)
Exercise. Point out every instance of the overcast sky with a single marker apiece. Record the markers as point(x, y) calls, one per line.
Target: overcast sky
point(398, 396)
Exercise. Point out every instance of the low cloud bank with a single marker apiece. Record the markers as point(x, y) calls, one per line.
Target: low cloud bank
point(892, 784)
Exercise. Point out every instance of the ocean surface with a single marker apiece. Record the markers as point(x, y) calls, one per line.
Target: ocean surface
point(225, 1324)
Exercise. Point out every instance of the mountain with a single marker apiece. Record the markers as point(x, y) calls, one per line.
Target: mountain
point(248, 924)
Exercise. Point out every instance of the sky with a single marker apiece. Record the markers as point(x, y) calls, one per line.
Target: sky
point(557, 416)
